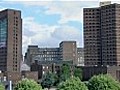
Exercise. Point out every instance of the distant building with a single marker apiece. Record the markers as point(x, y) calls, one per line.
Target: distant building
point(17, 76)
point(67, 51)
point(90, 71)
point(10, 40)
point(30, 75)
point(24, 67)
point(102, 35)
point(50, 66)
point(87, 71)
point(41, 54)
point(80, 57)
point(43, 68)
point(11, 48)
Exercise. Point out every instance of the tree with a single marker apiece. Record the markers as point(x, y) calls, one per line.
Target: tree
point(27, 84)
point(2, 87)
point(73, 83)
point(103, 82)
point(65, 72)
point(77, 73)
point(48, 80)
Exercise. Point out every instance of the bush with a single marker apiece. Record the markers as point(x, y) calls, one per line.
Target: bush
point(48, 80)
point(72, 83)
point(65, 72)
point(2, 87)
point(27, 84)
point(103, 82)
point(77, 73)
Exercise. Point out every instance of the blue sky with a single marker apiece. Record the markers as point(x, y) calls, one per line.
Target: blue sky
point(47, 23)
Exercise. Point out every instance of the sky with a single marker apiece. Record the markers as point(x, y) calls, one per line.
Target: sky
point(48, 22)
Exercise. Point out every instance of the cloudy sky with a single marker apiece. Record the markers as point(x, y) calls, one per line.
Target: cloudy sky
point(48, 22)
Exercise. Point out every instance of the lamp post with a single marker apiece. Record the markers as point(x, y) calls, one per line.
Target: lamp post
point(10, 83)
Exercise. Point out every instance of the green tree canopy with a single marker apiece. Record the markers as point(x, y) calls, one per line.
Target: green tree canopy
point(77, 73)
point(65, 72)
point(48, 80)
point(2, 87)
point(103, 82)
point(73, 83)
point(27, 84)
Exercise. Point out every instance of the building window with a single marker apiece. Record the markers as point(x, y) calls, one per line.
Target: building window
point(43, 72)
point(43, 67)
point(14, 12)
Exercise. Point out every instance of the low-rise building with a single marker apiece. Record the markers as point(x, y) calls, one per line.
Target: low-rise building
point(89, 71)
point(67, 51)
point(30, 75)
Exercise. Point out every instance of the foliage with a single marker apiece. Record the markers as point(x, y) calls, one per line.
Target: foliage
point(103, 82)
point(2, 87)
point(77, 73)
point(65, 72)
point(48, 80)
point(27, 84)
point(72, 83)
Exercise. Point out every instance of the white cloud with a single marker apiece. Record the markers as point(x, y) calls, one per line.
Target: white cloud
point(68, 10)
point(35, 33)
point(2, 8)
point(48, 36)
point(30, 24)
point(66, 32)
point(25, 42)
point(29, 0)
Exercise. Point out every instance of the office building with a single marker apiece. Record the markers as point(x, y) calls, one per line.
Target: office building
point(10, 40)
point(34, 53)
point(102, 35)
point(67, 51)
point(80, 57)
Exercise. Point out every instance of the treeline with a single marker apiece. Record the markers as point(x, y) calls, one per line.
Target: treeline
point(68, 79)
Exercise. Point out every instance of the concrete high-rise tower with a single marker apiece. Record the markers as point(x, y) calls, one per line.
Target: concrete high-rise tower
point(102, 35)
point(10, 40)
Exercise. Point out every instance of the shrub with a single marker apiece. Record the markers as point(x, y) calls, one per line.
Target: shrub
point(103, 82)
point(2, 87)
point(27, 84)
point(73, 83)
